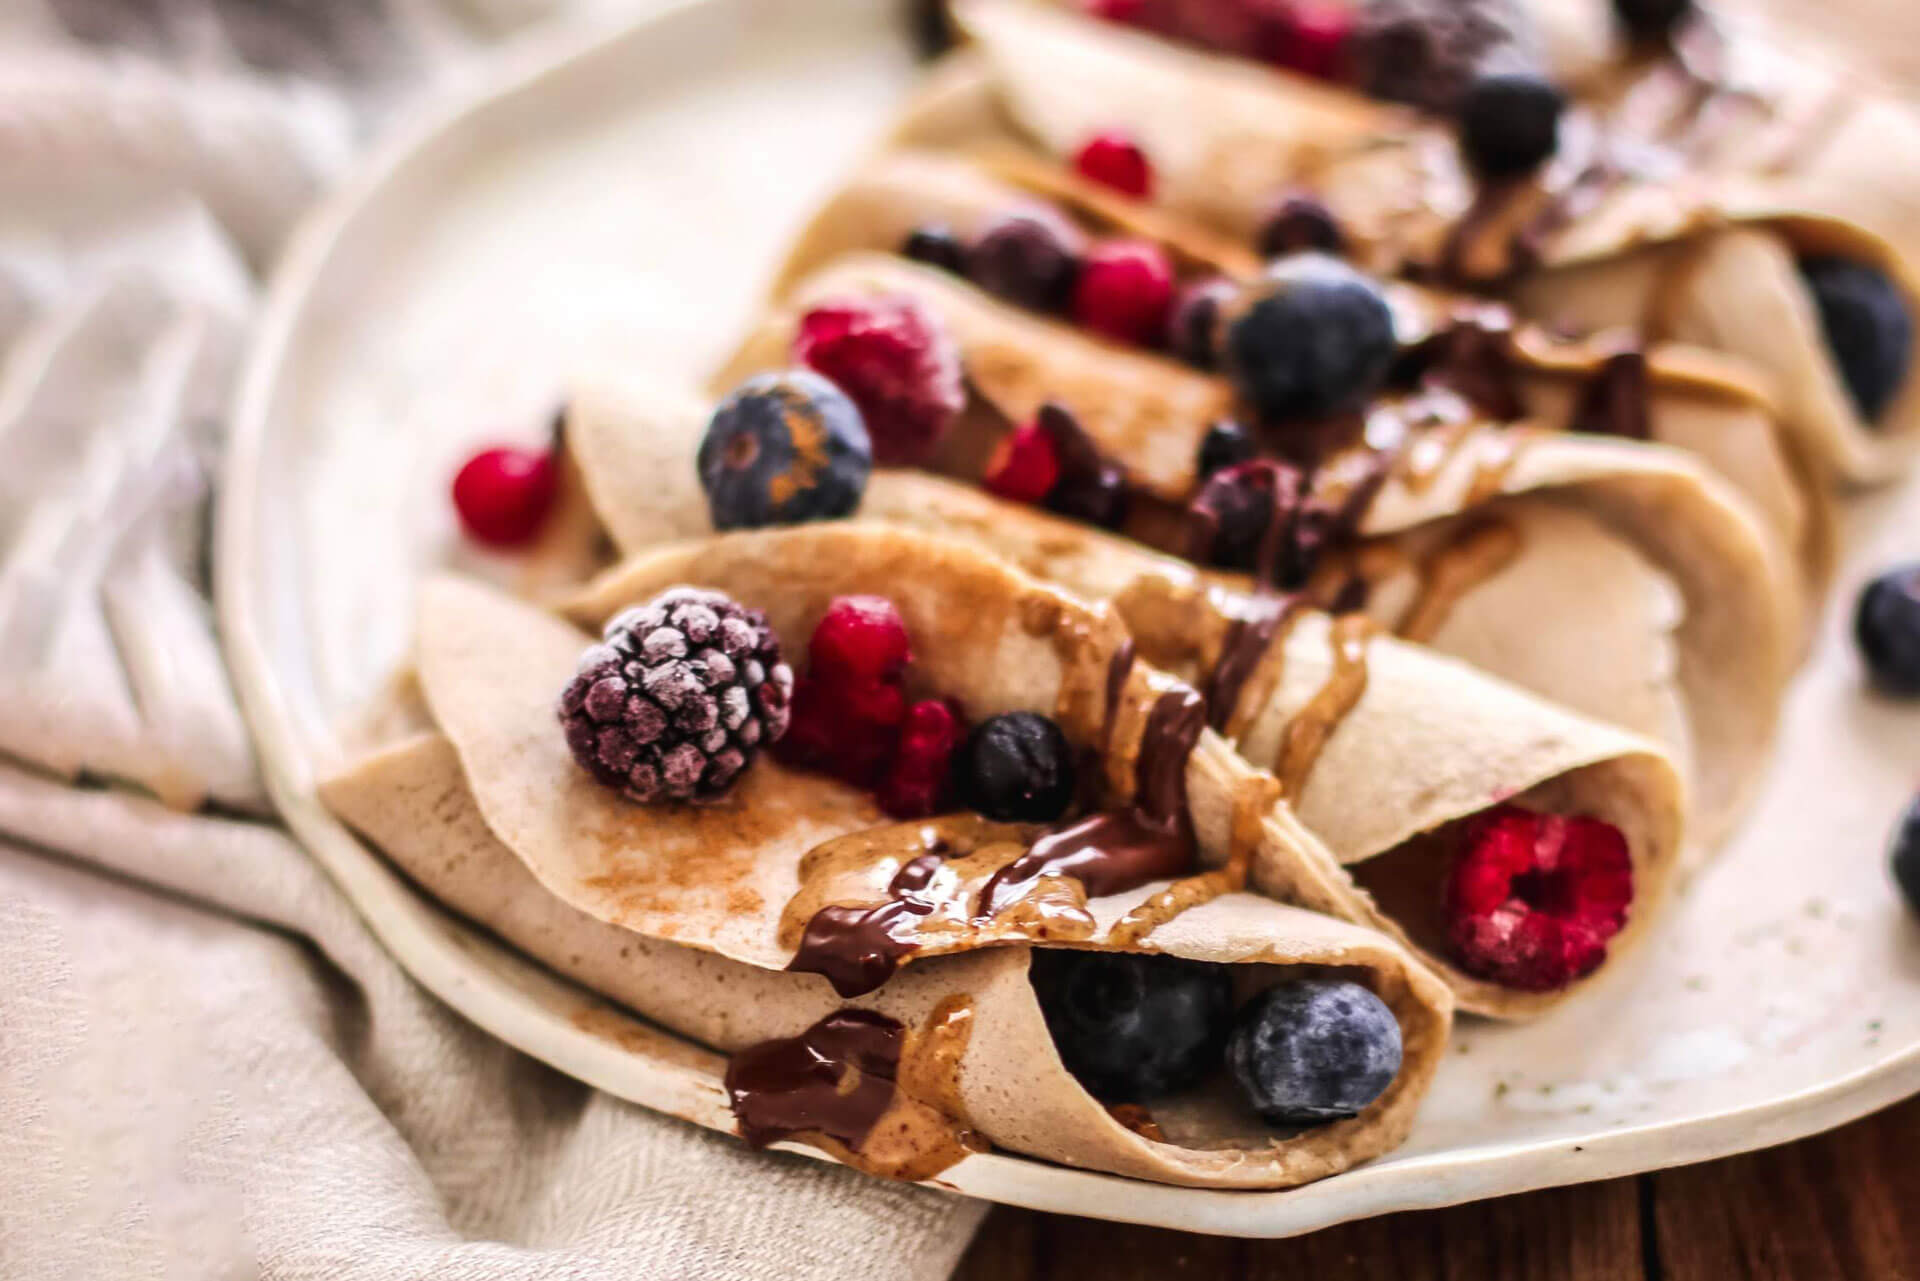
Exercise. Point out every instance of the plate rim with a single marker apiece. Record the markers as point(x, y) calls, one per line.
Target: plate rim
point(427, 940)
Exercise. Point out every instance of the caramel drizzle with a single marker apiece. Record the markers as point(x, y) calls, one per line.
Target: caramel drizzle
point(1307, 733)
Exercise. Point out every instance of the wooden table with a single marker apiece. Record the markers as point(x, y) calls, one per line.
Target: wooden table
point(1841, 1207)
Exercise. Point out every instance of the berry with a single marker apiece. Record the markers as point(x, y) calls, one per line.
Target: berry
point(1226, 444)
point(1017, 768)
point(1124, 291)
point(1868, 327)
point(1090, 488)
point(1128, 12)
point(1314, 1050)
point(936, 245)
point(896, 362)
point(1300, 223)
point(859, 639)
point(1906, 854)
point(1650, 19)
point(1024, 466)
point(1425, 52)
point(503, 495)
point(850, 731)
point(678, 698)
point(1534, 899)
point(1133, 1027)
point(784, 447)
point(920, 778)
point(1886, 626)
point(1313, 338)
point(1314, 40)
point(1193, 329)
point(1113, 159)
point(1509, 123)
point(1028, 256)
point(1234, 512)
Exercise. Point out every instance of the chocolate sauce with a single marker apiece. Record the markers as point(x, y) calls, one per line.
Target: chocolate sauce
point(1091, 487)
point(1247, 642)
point(1119, 667)
point(1116, 851)
point(1615, 400)
point(836, 1079)
point(858, 948)
point(1472, 356)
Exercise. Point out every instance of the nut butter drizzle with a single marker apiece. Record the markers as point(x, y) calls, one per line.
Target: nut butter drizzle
point(860, 1085)
point(1307, 733)
point(1476, 552)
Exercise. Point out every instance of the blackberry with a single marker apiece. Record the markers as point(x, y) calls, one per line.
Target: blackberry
point(678, 698)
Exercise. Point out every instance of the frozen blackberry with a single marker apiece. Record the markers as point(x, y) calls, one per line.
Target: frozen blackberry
point(678, 698)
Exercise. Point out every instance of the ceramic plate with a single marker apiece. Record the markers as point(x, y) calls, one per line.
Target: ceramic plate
point(623, 199)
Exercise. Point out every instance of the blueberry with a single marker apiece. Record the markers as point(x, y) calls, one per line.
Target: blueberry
point(1313, 338)
point(1314, 1050)
point(1509, 123)
point(1650, 19)
point(1886, 626)
point(1030, 257)
point(1132, 1027)
point(1226, 444)
point(784, 447)
point(936, 245)
point(1017, 768)
point(1868, 327)
point(1906, 854)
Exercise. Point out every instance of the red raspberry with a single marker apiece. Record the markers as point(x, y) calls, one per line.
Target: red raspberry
point(850, 731)
point(1535, 898)
point(1025, 465)
point(1129, 12)
point(918, 783)
point(503, 495)
point(860, 640)
point(1113, 159)
point(1125, 291)
point(1314, 42)
point(896, 362)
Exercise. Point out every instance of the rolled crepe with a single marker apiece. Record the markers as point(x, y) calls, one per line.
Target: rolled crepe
point(1692, 400)
point(1437, 742)
point(977, 1062)
point(1645, 592)
point(1225, 138)
point(1735, 99)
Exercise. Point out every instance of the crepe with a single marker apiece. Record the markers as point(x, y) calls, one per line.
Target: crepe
point(704, 917)
point(1692, 400)
point(1226, 138)
point(1643, 592)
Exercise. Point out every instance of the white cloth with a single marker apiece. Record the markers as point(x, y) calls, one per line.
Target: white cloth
point(208, 1067)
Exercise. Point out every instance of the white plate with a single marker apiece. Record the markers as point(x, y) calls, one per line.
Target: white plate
point(624, 199)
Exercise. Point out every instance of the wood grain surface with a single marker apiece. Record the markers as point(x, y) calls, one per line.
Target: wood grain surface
point(1843, 1206)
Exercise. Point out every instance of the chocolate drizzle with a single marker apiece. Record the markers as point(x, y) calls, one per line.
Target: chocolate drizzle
point(835, 1079)
point(858, 948)
point(1470, 355)
point(1115, 851)
point(1615, 400)
point(1248, 639)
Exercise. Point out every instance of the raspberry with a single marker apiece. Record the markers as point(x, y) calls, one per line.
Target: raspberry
point(1315, 39)
point(919, 781)
point(1113, 159)
point(848, 731)
point(1125, 290)
point(503, 495)
point(1025, 465)
point(1129, 12)
point(678, 698)
point(860, 639)
point(1535, 898)
point(893, 360)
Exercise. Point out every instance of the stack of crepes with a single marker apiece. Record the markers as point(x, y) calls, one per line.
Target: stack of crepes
point(1532, 590)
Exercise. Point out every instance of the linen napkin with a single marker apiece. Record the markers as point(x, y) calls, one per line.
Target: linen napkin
point(208, 1067)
